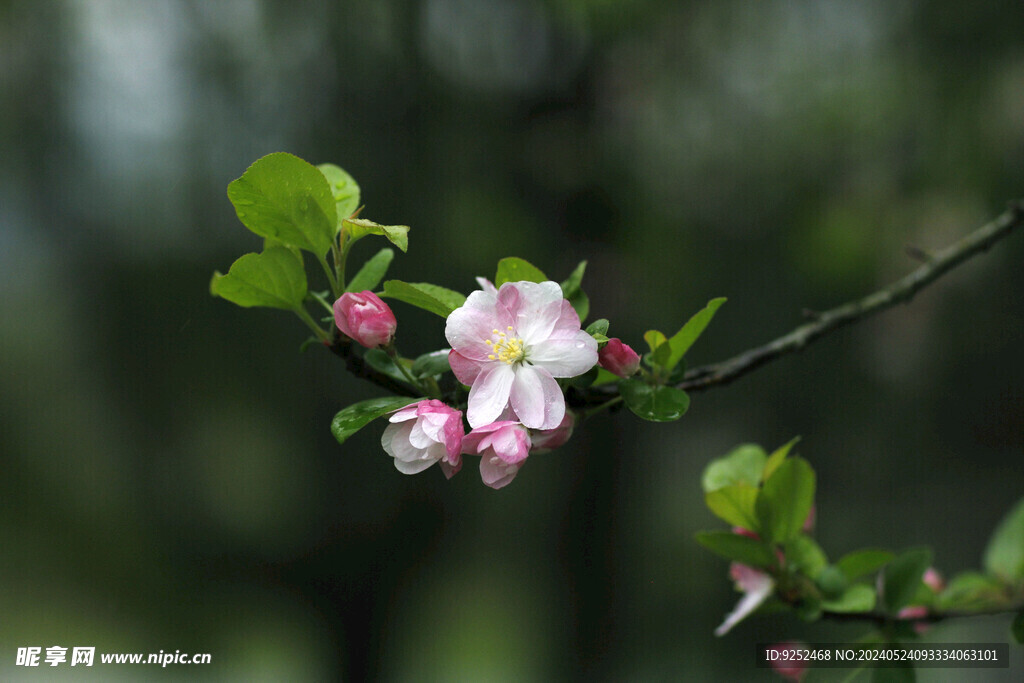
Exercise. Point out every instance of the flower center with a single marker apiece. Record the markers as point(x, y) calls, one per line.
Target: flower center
point(506, 349)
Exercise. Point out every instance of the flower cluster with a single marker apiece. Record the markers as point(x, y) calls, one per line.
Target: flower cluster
point(509, 345)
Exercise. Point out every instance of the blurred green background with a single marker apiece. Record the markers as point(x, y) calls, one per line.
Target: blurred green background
point(169, 480)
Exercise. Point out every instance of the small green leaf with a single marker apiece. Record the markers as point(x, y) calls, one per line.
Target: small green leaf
point(860, 563)
point(734, 504)
point(970, 591)
point(737, 548)
point(682, 340)
point(273, 278)
point(599, 326)
point(580, 303)
point(372, 272)
point(654, 403)
point(805, 555)
point(660, 356)
point(357, 228)
point(514, 269)
point(776, 458)
point(344, 189)
point(424, 295)
point(284, 198)
point(379, 360)
point(857, 598)
point(430, 364)
point(832, 582)
point(572, 284)
point(741, 465)
point(353, 418)
point(604, 377)
point(1004, 555)
point(654, 339)
point(902, 577)
point(785, 500)
point(1017, 628)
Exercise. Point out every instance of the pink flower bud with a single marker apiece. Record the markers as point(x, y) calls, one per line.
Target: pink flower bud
point(933, 579)
point(792, 669)
point(424, 433)
point(365, 318)
point(550, 439)
point(618, 358)
point(502, 447)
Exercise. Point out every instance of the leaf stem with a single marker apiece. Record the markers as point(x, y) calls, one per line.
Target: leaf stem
point(396, 359)
point(320, 333)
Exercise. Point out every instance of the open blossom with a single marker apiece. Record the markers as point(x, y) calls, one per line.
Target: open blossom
point(424, 433)
point(365, 318)
point(550, 439)
point(503, 448)
point(510, 344)
point(618, 358)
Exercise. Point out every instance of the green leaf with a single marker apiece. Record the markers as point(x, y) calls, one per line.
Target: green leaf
point(660, 356)
point(604, 377)
point(654, 403)
point(599, 326)
point(284, 198)
point(860, 563)
point(344, 189)
point(970, 591)
point(654, 339)
point(372, 272)
point(785, 500)
point(424, 295)
point(682, 340)
point(902, 577)
point(273, 278)
point(1017, 627)
point(514, 269)
point(430, 364)
point(580, 303)
point(572, 284)
point(741, 465)
point(1004, 555)
point(353, 418)
point(734, 504)
point(894, 672)
point(857, 598)
point(776, 458)
point(379, 360)
point(832, 582)
point(807, 556)
point(737, 548)
point(358, 228)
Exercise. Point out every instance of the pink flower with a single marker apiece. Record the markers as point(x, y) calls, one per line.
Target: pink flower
point(502, 447)
point(618, 358)
point(756, 586)
point(424, 433)
point(510, 344)
point(550, 439)
point(917, 613)
point(365, 318)
point(793, 669)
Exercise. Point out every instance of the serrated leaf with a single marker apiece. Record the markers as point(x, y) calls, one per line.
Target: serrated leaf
point(785, 500)
point(1004, 555)
point(682, 340)
point(902, 577)
point(776, 458)
point(424, 295)
point(654, 403)
point(737, 548)
point(430, 364)
point(806, 555)
point(282, 197)
point(860, 563)
point(856, 598)
point(513, 269)
point(344, 189)
point(372, 272)
point(599, 326)
point(357, 228)
point(741, 465)
point(734, 505)
point(274, 278)
point(353, 418)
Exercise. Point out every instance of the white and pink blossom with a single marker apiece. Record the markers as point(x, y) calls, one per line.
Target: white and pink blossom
point(510, 344)
point(424, 433)
point(550, 439)
point(503, 448)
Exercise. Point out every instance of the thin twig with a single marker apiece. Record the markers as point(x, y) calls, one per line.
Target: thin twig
point(882, 618)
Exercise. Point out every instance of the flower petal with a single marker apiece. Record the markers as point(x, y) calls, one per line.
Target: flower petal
point(468, 328)
point(464, 368)
point(496, 473)
point(565, 357)
point(536, 398)
point(750, 601)
point(414, 467)
point(489, 394)
point(536, 307)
